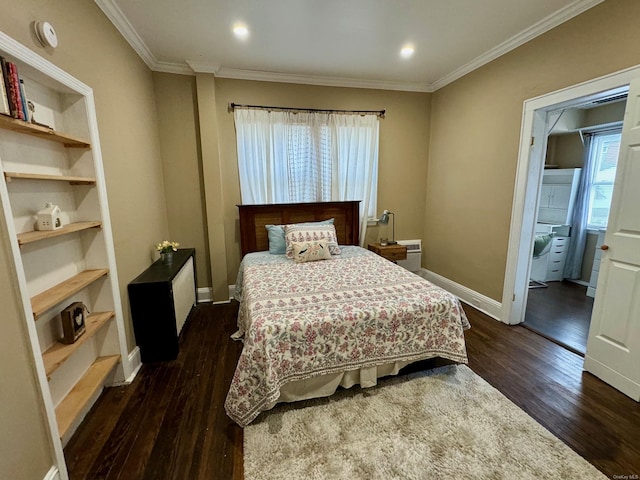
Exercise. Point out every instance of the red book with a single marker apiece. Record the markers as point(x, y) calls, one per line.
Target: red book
point(15, 86)
point(9, 86)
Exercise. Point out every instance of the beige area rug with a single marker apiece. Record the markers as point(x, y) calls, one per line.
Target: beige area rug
point(447, 423)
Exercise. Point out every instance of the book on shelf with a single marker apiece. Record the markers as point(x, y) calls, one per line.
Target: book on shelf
point(6, 77)
point(14, 91)
point(25, 107)
point(15, 81)
point(4, 100)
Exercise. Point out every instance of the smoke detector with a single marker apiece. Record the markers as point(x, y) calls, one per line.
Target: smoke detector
point(46, 34)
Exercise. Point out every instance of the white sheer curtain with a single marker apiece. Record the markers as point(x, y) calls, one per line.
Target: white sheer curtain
point(261, 138)
point(355, 142)
point(308, 157)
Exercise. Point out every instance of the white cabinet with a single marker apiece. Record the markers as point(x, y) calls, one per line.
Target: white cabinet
point(62, 165)
point(558, 195)
point(557, 258)
point(549, 267)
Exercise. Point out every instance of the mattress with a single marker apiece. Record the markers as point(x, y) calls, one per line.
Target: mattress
point(309, 327)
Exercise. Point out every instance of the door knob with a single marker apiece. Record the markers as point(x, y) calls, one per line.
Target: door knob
point(604, 247)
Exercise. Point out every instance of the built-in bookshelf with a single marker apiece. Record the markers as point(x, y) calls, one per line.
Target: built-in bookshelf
point(57, 160)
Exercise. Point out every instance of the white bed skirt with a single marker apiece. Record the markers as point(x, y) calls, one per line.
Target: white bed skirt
point(326, 385)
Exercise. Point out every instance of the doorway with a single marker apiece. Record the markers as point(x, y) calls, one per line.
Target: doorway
point(580, 161)
point(537, 119)
point(613, 350)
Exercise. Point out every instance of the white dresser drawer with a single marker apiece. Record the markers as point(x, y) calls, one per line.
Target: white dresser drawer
point(557, 256)
point(560, 243)
point(555, 274)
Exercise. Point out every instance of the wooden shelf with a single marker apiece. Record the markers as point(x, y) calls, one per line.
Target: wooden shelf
point(20, 126)
point(83, 392)
point(37, 235)
point(41, 176)
point(53, 296)
point(55, 356)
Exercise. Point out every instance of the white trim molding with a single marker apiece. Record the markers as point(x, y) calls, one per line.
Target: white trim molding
point(53, 474)
point(120, 21)
point(135, 363)
point(122, 24)
point(481, 302)
point(557, 18)
point(324, 81)
point(528, 175)
point(205, 295)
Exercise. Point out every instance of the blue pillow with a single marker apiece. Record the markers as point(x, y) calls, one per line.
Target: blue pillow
point(275, 233)
point(277, 245)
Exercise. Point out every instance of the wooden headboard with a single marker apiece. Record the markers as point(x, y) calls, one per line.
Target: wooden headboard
point(253, 218)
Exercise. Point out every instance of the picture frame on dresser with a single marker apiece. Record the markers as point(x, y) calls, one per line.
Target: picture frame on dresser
point(61, 165)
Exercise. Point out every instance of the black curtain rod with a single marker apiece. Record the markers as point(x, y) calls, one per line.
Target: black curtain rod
point(380, 113)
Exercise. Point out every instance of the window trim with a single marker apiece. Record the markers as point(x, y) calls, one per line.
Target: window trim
point(597, 141)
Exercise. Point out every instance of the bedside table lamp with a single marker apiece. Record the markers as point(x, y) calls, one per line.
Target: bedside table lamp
point(384, 220)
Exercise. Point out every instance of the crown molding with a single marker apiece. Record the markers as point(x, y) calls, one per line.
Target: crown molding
point(113, 13)
point(567, 13)
point(202, 67)
point(171, 67)
point(324, 81)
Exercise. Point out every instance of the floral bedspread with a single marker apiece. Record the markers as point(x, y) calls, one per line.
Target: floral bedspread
point(300, 320)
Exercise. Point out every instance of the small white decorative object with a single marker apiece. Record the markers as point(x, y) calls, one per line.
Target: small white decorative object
point(46, 34)
point(49, 218)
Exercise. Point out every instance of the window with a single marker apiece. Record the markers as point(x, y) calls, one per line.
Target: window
point(287, 157)
point(604, 156)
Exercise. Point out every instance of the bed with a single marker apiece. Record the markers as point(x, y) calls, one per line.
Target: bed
point(311, 327)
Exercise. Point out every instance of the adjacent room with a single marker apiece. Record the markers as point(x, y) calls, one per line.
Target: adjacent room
point(273, 240)
point(574, 203)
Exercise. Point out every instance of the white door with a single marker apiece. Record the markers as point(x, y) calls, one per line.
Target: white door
point(613, 349)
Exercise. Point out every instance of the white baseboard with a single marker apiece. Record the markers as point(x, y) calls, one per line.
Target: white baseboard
point(52, 474)
point(205, 294)
point(135, 362)
point(486, 305)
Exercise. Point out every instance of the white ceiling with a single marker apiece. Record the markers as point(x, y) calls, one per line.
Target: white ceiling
point(334, 42)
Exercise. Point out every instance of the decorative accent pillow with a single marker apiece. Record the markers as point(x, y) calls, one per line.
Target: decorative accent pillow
point(310, 251)
point(311, 233)
point(275, 234)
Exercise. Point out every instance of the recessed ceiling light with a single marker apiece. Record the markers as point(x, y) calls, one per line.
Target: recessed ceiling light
point(407, 51)
point(240, 30)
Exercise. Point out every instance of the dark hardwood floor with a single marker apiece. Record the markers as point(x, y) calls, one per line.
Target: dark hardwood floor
point(562, 313)
point(170, 422)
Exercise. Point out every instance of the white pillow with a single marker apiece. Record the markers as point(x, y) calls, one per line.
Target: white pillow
point(310, 251)
point(311, 233)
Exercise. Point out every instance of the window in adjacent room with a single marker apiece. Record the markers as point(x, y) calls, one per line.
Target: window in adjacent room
point(604, 151)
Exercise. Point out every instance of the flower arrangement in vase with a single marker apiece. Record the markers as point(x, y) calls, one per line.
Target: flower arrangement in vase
point(166, 249)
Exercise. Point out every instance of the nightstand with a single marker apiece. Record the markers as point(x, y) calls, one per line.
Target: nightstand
point(390, 252)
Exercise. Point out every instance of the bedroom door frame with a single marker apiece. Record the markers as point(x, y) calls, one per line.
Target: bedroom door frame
point(531, 153)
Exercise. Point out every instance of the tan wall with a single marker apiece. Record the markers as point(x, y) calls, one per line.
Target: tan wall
point(475, 133)
point(25, 448)
point(568, 151)
point(404, 144)
point(182, 165)
point(92, 50)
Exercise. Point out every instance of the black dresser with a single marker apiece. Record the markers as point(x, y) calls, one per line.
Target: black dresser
point(161, 298)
